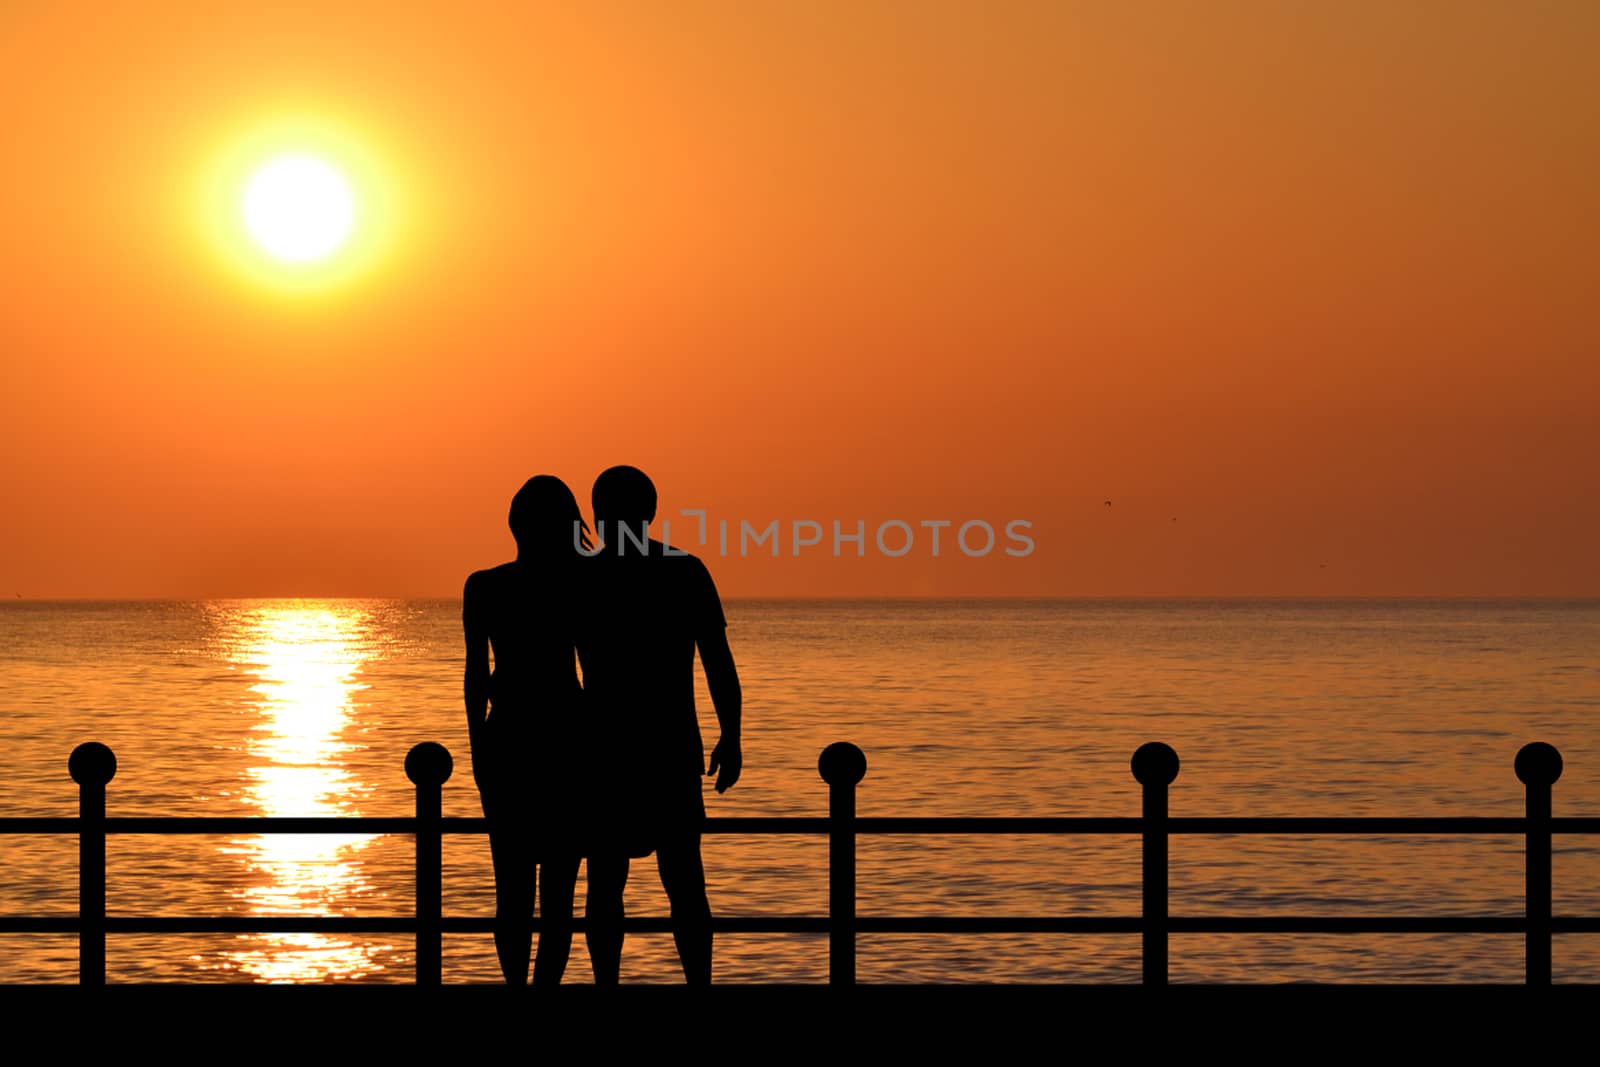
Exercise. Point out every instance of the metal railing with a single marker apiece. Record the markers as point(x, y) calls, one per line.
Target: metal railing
point(842, 766)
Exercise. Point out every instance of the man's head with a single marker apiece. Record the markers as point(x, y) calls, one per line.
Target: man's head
point(623, 496)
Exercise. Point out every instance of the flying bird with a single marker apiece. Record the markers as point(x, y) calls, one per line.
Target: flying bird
point(1108, 503)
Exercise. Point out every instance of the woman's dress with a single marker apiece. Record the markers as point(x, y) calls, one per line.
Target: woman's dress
point(529, 754)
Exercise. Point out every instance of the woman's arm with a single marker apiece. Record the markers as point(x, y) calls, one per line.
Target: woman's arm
point(476, 683)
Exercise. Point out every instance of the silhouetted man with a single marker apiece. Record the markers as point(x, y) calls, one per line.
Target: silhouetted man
point(650, 606)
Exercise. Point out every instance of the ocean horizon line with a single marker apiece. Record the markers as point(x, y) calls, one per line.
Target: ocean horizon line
point(1057, 598)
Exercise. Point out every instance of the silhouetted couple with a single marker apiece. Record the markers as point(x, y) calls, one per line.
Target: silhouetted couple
point(609, 769)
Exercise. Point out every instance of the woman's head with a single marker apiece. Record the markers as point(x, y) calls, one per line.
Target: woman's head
point(545, 515)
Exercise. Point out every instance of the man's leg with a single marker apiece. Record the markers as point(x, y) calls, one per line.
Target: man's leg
point(683, 876)
point(558, 879)
point(608, 877)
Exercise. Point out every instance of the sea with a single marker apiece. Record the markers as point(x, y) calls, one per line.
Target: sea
point(963, 708)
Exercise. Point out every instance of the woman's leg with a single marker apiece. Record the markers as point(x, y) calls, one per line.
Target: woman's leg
point(557, 882)
point(608, 877)
point(514, 876)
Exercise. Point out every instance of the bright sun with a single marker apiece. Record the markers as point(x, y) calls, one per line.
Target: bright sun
point(302, 205)
point(298, 208)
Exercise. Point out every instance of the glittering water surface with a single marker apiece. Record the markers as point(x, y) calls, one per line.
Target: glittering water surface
point(964, 708)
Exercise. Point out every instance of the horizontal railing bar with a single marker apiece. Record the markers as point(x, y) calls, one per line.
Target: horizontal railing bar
point(1347, 924)
point(38, 924)
point(351, 824)
point(957, 824)
point(1243, 825)
point(1353, 825)
point(385, 924)
point(1230, 924)
point(809, 924)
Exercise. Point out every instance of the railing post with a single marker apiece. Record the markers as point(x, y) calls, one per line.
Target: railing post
point(842, 765)
point(1155, 765)
point(1538, 765)
point(428, 765)
point(92, 765)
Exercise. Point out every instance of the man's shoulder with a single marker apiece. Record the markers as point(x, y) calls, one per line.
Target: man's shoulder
point(657, 556)
point(682, 557)
point(688, 567)
point(694, 589)
point(650, 580)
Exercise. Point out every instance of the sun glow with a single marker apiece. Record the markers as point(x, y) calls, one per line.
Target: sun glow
point(298, 208)
point(304, 205)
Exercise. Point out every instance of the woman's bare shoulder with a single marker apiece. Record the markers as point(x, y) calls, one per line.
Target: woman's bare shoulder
point(486, 581)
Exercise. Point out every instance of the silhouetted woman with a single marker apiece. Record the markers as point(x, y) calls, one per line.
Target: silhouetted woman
point(525, 721)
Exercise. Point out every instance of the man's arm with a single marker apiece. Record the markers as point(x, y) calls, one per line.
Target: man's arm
point(722, 678)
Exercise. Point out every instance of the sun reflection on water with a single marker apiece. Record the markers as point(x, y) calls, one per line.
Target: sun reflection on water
point(306, 658)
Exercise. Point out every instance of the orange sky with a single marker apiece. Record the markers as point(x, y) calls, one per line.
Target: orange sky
point(1315, 279)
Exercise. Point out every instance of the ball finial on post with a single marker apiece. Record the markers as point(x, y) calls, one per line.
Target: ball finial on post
point(1155, 763)
point(1538, 763)
point(92, 763)
point(842, 763)
point(429, 763)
